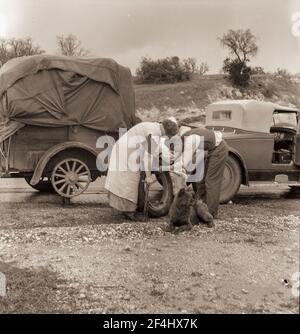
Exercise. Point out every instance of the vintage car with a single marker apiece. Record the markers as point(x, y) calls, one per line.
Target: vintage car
point(264, 141)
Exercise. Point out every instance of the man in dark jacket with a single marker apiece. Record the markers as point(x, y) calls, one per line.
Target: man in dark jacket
point(210, 187)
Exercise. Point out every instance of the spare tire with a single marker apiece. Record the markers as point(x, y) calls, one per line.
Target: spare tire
point(160, 195)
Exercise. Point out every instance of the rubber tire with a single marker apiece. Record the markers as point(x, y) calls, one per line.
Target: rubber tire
point(294, 191)
point(234, 174)
point(42, 186)
point(167, 197)
point(231, 180)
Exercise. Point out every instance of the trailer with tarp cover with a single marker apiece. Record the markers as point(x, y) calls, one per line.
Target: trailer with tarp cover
point(53, 109)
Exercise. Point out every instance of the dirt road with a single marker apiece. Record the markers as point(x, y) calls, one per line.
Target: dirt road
point(87, 258)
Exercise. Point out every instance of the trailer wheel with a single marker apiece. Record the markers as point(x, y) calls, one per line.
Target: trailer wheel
point(70, 177)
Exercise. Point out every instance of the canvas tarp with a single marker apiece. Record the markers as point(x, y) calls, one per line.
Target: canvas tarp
point(58, 91)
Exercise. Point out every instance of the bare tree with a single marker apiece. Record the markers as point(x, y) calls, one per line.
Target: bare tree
point(203, 68)
point(190, 64)
point(70, 46)
point(17, 47)
point(4, 54)
point(241, 43)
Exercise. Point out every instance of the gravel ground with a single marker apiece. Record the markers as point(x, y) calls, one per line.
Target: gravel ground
point(85, 258)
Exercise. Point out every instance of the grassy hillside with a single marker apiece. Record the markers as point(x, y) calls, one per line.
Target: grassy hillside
point(187, 100)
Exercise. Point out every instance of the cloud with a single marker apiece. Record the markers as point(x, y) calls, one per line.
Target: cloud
point(129, 29)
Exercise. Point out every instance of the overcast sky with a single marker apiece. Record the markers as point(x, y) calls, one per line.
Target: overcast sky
point(127, 30)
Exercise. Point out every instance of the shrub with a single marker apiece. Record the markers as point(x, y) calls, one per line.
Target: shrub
point(257, 70)
point(165, 70)
point(239, 73)
point(283, 74)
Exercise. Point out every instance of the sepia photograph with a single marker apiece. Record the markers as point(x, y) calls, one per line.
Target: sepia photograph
point(149, 159)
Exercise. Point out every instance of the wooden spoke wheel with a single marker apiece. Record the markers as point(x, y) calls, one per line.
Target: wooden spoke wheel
point(70, 177)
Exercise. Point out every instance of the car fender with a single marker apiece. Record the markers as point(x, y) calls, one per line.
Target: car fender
point(42, 163)
point(241, 161)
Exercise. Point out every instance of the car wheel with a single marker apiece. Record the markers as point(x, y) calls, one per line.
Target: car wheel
point(232, 179)
point(160, 195)
point(44, 185)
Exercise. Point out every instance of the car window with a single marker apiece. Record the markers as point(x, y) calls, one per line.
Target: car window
point(222, 115)
point(288, 118)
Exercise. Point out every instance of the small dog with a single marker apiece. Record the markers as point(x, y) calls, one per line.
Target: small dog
point(181, 212)
point(185, 212)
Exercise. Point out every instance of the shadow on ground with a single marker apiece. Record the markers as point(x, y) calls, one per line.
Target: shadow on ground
point(37, 290)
